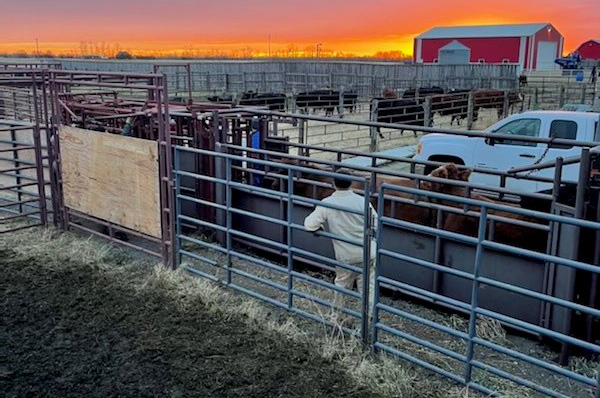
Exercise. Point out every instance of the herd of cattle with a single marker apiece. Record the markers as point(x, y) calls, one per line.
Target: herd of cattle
point(408, 108)
point(509, 228)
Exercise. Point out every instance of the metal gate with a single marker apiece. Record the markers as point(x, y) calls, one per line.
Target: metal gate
point(23, 154)
point(216, 251)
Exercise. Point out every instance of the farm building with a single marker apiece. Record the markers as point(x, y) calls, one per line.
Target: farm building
point(590, 49)
point(531, 46)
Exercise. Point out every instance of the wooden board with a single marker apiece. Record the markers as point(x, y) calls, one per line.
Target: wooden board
point(111, 177)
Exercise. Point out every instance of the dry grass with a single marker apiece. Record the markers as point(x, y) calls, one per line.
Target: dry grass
point(383, 374)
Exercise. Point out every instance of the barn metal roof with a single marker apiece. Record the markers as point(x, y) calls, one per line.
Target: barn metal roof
point(512, 30)
point(455, 45)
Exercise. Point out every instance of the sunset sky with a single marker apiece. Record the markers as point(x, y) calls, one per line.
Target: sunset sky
point(361, 27)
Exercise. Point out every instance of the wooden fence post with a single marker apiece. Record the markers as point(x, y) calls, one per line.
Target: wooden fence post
point(373, 130)
point(505, 103)
point(293, 99)
point(341, 102)
point(301, 136)
point(470, 110)
point(561, 96)
point(427, 108)
point(583, 90)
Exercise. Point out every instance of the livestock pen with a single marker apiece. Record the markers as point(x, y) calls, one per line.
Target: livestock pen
point(478, 273)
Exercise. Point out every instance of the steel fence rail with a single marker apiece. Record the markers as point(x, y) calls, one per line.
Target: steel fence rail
point(225, 226)
point(472, 306)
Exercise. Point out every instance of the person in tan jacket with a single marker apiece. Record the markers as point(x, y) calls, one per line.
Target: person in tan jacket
point(348, 225)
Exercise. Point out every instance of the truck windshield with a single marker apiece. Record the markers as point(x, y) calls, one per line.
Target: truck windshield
point(527, 127)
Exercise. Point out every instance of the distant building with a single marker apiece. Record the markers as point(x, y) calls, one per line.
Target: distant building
point(590, 50)
point(531, 46)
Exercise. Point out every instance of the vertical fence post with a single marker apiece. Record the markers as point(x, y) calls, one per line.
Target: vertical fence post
point(341, 102)
point(220, 190)
point(228, 223)
point(583, 183)
point(505, 103)
point(290, 243)
point(472, 329)
point(176, 169)
point(301, 136)
point(536, 93)
point(583, 91)
point(373, 130)
point(375, 320)
point(39, 162)
point(366, 274)
point(190, 83)
point(427, 108)
point(292, 106)
point(561, 96)
point(470, 110)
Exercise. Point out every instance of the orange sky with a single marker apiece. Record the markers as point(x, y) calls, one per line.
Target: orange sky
point(360, 27)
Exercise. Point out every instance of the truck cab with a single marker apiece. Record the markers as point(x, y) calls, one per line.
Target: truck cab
point(504, 154)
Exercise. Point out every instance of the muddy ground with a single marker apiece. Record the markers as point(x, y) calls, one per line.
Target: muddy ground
point(74, 330)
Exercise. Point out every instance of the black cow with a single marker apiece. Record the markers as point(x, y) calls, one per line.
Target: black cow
point(272, 101)
point(494, 99)
point(455, 104)
point(402, 111)
point(221, 100)
point(326, 99)
point(423, 91)
point(350, 100)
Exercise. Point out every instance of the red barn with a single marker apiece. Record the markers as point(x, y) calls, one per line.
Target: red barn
point(590, 49)
point(532, 46)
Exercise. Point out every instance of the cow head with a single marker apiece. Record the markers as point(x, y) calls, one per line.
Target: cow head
point(451, 172)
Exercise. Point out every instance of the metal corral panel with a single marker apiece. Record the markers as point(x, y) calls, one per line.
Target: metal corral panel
point(273, 207)
point(269, 207)
point(508, 268)
point(512, 269)
point(412, 244)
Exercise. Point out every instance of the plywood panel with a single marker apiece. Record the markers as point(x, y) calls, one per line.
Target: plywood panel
point(112, 177)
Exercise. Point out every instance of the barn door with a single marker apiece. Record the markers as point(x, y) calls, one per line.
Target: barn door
point(546, 54)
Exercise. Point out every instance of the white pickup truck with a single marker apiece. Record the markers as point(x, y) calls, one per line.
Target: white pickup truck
point(505, 154)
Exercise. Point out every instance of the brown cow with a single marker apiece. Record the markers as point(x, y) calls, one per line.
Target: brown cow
point(504, 232)
point(318, 186)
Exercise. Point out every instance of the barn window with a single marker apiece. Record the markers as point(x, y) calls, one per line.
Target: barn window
point(527, 127)
point(566, 129)
point(481, 60)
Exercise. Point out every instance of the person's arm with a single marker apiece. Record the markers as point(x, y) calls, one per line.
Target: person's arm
point(315, 220)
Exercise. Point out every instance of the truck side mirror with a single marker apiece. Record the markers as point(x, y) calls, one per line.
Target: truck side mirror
point(490, 141)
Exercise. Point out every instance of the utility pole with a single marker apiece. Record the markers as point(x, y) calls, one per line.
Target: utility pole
point(269, 45)
point(37, 48)
point(319, 45)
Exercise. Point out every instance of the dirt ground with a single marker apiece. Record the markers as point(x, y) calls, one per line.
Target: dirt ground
point(81, 318)
point(73, 330)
